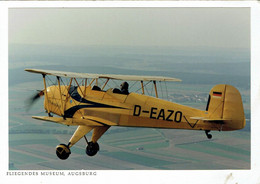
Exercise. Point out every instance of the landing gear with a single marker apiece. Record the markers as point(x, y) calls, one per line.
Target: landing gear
point(63, 151)
point(209, 136)
point(92, 148)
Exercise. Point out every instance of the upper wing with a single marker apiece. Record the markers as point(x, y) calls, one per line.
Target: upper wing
point(105, 76)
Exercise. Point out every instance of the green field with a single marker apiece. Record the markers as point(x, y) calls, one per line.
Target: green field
point(218, 150)
point(157, 151)
point(32, 143)
point(19, 158)
point(138, 159)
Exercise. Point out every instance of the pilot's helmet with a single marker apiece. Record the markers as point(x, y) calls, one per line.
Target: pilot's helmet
point(124, 85)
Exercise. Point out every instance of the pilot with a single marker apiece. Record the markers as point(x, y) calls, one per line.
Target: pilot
point(124, 88)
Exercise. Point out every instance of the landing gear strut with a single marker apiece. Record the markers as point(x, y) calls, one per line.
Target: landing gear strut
point(209, 136)
point(63, 151)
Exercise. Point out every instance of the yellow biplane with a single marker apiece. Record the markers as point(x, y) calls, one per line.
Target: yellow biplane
point(90, 107)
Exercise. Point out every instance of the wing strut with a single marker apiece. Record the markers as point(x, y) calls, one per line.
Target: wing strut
point(155, 88)
point(78, 86)
point(67, 95)
point(96, 81)
point(45, 92)
point(91, 82)
point(105, 84)
point(85, 87)
point(62, 106)
point(142, 84)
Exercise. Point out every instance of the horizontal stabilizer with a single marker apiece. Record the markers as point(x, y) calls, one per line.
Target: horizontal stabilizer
point(215, 120)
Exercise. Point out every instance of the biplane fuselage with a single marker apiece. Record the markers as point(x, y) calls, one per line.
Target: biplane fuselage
point(91, 108)
point(132, 110)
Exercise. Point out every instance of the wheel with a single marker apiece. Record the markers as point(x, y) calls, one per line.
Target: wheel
point(63, 151)
point(209, 136)
point(92, 148)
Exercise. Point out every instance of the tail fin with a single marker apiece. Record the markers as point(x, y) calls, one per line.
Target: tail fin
point(225, 103)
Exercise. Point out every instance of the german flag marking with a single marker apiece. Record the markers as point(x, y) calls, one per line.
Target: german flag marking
point(217, 94)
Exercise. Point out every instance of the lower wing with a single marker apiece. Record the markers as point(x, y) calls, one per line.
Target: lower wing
point(86, 121)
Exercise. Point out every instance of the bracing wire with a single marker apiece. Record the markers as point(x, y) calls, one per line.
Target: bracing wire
point(166, 90)
point(144, 86)
point(133, 85)
point(161, 89)
point(146, 90)
point(48, 81)
point(152, 90)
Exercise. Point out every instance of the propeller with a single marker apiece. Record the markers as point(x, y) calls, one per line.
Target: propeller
point(30, 101)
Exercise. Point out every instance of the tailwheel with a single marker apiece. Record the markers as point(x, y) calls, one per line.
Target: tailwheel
point(209, 136)
point(63, 151)
point(92, 148)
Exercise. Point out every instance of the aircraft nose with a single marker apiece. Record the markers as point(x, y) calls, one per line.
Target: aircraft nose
point(48, 89)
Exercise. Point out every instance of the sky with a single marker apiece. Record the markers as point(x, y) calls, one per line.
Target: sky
point(174, 27)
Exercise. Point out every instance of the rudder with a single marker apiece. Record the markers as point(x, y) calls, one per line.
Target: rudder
point(225, 103)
